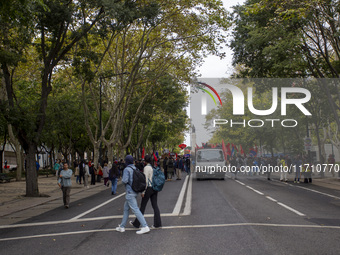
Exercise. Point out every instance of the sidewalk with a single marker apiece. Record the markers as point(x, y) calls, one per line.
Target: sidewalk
point(15, 207)
point(328, 181)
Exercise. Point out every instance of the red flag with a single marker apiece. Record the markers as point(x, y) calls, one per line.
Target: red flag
point(155, 158)
point(224, 149)
point(143, 153)
point(228, 149)
point(176, 156)
point(242, 151)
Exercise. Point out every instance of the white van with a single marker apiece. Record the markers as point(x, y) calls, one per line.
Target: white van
point(210, 164)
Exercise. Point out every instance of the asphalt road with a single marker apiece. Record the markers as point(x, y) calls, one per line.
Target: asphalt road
point(249, 215)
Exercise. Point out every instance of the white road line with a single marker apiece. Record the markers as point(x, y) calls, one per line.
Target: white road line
point(178, 205)
point(258, 192)
point(272, 199)
point(291, 209)
point(172, 227)
point(325, 194)
point(97, 207)
point(187, 208)
point(240, 182)
point(37, 224)
point(281, 204)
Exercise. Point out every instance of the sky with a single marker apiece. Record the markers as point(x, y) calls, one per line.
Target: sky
point(213, 66)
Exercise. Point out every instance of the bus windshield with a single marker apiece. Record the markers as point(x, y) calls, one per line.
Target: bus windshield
point(210, 156)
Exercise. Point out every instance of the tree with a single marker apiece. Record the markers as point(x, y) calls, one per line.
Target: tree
point(172, 40)
point(51, 31)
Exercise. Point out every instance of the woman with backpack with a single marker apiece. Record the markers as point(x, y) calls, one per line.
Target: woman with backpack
point(151, 194)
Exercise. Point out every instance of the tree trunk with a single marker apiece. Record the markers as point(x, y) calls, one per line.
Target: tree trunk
point(32, 189)
point(95, 153)
point(18, 153)
point(110, 153)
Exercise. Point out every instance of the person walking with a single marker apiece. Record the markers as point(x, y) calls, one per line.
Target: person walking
point(114, 175)
point(131, 199)
point(93, 173)
point(65, 184)
point(106, 174)
point(81, 171)
point(179, 168)
point(56, 168)
point(76, 173)
point(99, 173)
point(283, 172)
point(165, 167)
point(170, 168)
point(297, 169)
point(86, 174)
point(151, 194)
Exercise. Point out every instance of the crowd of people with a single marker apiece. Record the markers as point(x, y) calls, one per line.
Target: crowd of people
point(284, 164)
point(124, 170)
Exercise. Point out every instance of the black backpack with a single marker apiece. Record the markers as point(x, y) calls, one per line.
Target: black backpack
point(138, 181)
point(170, 163)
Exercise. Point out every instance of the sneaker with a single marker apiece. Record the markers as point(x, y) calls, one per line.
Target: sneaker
point(120, 229)
point(143, 230)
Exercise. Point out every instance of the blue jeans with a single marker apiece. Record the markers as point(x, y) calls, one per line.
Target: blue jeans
point(114, 185)
point(131, 202)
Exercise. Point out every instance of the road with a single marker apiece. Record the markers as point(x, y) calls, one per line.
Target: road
point(249, 215)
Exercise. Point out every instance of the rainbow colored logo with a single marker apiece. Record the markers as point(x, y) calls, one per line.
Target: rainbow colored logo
point(209, 93)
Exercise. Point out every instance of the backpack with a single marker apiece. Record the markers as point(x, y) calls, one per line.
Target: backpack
point(138, 181)
point(158, 179)
point(170, 163)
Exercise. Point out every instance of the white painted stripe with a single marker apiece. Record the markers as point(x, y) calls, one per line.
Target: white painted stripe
point(258, 192)
point(272, 199)
point(178, 205)
point(97, 207)
point(321, 193)
point(291, 209)
point(240, 182)
point(187, 208)
point(173, 227)
point(46, 223)
point(281, 204)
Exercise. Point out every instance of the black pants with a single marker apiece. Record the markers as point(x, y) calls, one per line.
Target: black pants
point(152, 195)
point(93, 179)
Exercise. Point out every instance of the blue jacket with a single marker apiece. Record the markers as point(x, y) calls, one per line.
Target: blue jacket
point(128, 178)
point(65, 181)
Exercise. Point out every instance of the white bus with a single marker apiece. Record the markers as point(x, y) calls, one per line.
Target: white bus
point(210, 164)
